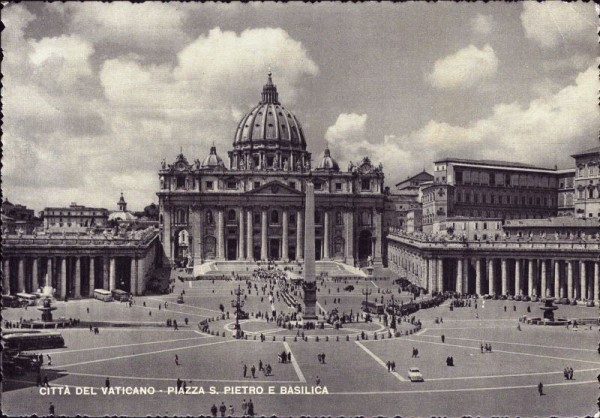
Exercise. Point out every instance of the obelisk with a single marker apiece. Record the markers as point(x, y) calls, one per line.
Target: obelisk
point(309, 285)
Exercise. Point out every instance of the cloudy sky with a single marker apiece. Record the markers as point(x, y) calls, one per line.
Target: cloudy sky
point(95, 95)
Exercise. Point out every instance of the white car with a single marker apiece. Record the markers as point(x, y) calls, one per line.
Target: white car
point(414, 374)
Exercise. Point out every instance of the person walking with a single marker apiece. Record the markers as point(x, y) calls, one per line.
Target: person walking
point(51, 409)
point(45, 382)
point(443, 338)
point(213, 410)
point(222, 409)
point(107, 383)
point(541, 388)
point(389, 365)
point(176, 360)
point(250, 408)
point(245, 370)
point(253, 370)
point(260, 365)
point(318, 381)
point(245, 407)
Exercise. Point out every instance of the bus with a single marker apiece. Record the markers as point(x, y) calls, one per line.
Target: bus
point(120, 295)
point(372, 307)
point(37, 340)
point(10, 301)
point(27, 299)
point(103, 295)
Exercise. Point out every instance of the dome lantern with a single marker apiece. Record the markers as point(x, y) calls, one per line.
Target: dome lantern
point(327, 162)
point(269, 93)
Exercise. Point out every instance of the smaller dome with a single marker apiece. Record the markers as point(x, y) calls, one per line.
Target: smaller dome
point(213, 160)
point(327, 162)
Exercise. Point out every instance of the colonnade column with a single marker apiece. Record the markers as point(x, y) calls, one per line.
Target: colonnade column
point(491, 287)
point(284, 235)
point(77, 277)
point(92, 276)
point(49, 272)
point(326, 235)
point(105, 273)
point(220, 234)
point(21, 273)
point(504, 276)
point(582, 280)
point(543, 286)
point(596, 282)
point(434, 271)
point(63, 278)
point(518, 288)
point(530, 279)
point(263, 234)
point(478, 276)
point(112, 283)
point(34, 275)
point(570, 293)
point(197, 220)
point(440, 275)
point(6, 276)
point(299, 235)
point(133, 277)
point(557, 279)
point(459, 276)
point(241, 246)
point(249, 243)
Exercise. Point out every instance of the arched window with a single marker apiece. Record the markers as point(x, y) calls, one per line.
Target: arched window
point(274, 217)
point(231, 215)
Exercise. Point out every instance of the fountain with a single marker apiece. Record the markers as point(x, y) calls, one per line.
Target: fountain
point(47, 298)
point(548, 309)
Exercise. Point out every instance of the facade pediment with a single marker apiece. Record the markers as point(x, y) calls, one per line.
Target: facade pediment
point(274, 188)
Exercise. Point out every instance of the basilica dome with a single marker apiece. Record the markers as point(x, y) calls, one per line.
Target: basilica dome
point(213, 160)
point(270, 124)
point(327, 162)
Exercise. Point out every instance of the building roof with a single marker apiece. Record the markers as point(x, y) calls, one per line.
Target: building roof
point(591, 151)
point(423, 174)
point(74, 208)
point(557, 222)
point(496, 163)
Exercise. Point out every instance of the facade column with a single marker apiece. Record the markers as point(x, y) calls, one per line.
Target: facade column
point(249, 243)
point(557, 279)
point(544, 280)
point(284, 235)
point(440, 274)
point(582, 281)
point(459, 276)
point(530, 289)
point(133, 278)
point(35, 277)
point(434, 271)
point(49, 272)
point(21, 273)
point(241, 246)
point(197, 220)
point(596, 282)
point(504, 277)
point(427, 276)
point(491, 289)
point(77, 277)
point(377, 261)
point(112, 276)
point(299, 235)
point(263, 234)
point(92, 276)
point(220, 234)
point(570, 293)
point(105, 273)
point(168, 247)
point(326, 229)
point(349, 237)
point(478, 276)
point(63, 278)
point(141, 276)
point(6, 276)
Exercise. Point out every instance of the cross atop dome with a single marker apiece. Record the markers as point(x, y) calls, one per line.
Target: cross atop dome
point(269, 93)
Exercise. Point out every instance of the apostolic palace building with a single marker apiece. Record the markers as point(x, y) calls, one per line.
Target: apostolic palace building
point(249, 205)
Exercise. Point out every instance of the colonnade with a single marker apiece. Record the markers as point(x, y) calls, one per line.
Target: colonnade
point(559, 277)
point(67, 274)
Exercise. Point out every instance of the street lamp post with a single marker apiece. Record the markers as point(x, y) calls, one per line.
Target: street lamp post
point(367, 292)
point(237, 304)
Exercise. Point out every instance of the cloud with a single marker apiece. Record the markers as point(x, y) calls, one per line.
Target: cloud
point(556, 23)
point(130, 26)
point(544, 132)
point(465, 68)
point(347, 127)
point(482, 24)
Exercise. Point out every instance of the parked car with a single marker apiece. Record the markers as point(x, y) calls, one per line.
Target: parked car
point(518, 298)
point(487, 296)
point(414, 374)
point(563, 301)
point(589, 303)
point(180, 299)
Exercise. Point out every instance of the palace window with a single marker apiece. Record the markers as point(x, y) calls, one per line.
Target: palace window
point(257, 218)
point(274, 217)
point(292, 218)
point(365, 184)
point(338, 186)
point(318, 185)
point(256, 184)
point(232, 185)
point(209, 185)
point(292, 184)
point(231, 215)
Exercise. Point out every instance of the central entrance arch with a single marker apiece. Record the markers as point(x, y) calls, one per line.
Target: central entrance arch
point(365, 246)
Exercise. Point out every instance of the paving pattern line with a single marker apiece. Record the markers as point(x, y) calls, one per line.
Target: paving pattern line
point(295, 363)
point(378, 360)
point(509, 343)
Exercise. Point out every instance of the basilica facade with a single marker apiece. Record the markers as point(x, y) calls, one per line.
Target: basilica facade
point(250, 206)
